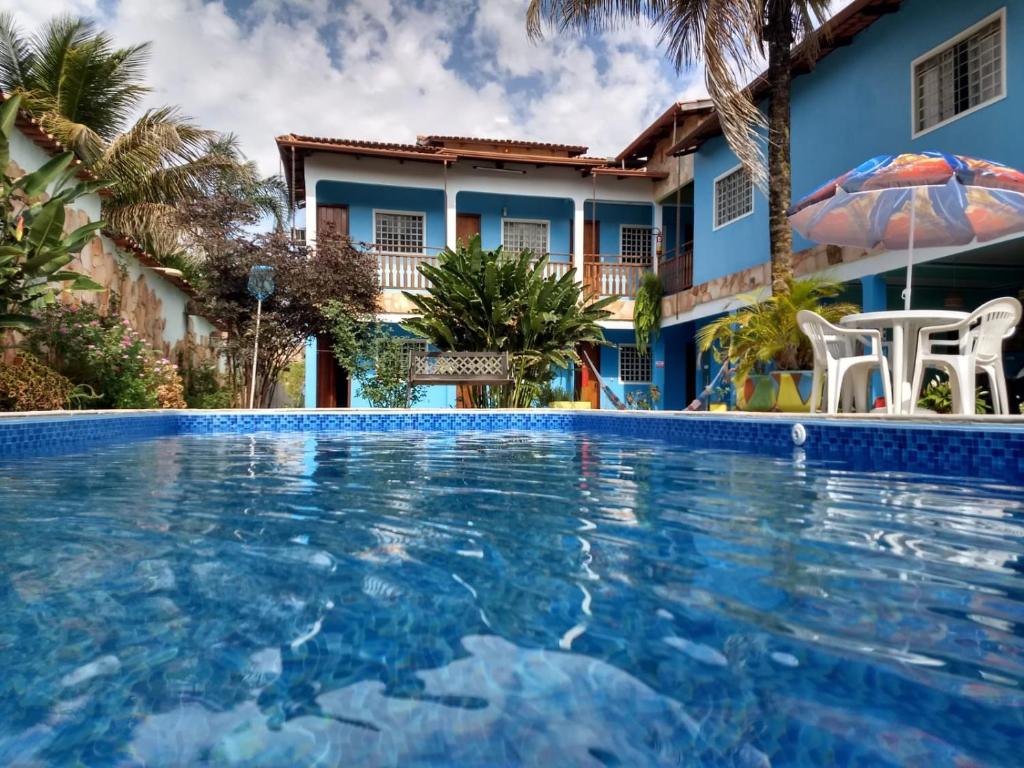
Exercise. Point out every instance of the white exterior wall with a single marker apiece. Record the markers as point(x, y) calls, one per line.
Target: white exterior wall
point(547, 181)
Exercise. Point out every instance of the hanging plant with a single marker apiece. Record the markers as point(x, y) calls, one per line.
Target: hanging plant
point(647, 311)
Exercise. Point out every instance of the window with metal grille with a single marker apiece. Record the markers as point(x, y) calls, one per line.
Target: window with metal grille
point(518, 235)
point(965, 74)
point(398, 232)
point(636, 244)
point(734, 197)
point(634, 368)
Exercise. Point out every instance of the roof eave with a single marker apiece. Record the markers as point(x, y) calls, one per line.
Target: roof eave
point(662, 122)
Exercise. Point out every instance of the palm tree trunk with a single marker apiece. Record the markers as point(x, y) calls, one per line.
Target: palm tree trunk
point(778, 34)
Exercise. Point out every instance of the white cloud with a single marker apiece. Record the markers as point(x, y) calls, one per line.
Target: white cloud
point(382, 69)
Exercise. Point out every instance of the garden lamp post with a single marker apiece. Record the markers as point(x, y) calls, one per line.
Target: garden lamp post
point(261, 285)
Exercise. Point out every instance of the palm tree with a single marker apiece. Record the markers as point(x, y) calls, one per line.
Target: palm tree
point(84, 91)
point(729, 36)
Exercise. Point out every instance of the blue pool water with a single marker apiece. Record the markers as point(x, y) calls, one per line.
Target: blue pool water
point(501, 600)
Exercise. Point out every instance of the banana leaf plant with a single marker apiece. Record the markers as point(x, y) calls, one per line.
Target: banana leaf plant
point(34, 249)
point(481, 300)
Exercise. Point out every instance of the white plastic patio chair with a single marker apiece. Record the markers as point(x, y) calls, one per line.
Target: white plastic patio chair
point(977, 347)
point(836, 357)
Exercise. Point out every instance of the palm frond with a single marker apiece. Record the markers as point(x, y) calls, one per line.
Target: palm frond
point(16, 56)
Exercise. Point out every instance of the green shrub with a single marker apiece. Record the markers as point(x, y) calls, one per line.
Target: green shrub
point(938, 396)
point(375, 360)
point(106, 355)
point(204, 388)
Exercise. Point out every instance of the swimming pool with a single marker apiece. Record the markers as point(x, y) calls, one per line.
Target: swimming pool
point(502, 597)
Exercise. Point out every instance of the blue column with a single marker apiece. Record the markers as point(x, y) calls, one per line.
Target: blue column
point(310, 397)
point(658, 354)
point(873, 293)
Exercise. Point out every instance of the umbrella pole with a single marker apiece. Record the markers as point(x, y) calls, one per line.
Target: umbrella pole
point(910, 249)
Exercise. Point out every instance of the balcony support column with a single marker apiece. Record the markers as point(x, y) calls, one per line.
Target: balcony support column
point(657, 233)
point(450, 213)
point(578, 213)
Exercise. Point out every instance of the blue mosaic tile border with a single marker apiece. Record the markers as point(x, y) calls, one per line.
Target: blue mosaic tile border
point(48, 435)
point(993, 451)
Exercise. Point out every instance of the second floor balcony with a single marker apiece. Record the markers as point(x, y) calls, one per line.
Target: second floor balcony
point(400, 269)
point(603, 275)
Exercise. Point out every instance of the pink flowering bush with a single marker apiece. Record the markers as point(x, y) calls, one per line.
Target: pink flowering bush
point(106, 355)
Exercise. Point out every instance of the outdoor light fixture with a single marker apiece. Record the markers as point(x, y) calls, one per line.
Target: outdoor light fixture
point(260, 286)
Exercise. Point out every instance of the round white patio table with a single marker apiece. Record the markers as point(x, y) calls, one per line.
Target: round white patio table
point(905, 325)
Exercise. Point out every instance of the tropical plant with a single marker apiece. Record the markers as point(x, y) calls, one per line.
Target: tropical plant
point(28, 385)
point(647, 311)
point(765, 332)
point(84, 90)
point(375, 359)
point(938, 396)
point(550, 393)
point(730, 37)
point(105, 355)
point(482, 300)
point(34, 251)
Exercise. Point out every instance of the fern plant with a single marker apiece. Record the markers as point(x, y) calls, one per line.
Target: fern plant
point(647, 311)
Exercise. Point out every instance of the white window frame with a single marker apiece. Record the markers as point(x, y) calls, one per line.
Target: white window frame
point(1001, 15)
point(650, 370)
point(512, 220)
point(421, 214)
point(633, 259)
point(714, 200)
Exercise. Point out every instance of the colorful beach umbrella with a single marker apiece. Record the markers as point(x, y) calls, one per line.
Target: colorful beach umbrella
point(927, 199)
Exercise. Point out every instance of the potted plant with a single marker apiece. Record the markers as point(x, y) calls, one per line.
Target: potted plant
point(770, 358)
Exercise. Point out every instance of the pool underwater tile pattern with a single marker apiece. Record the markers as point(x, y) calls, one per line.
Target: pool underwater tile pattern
point(997, 452)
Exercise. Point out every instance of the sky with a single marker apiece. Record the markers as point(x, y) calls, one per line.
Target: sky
point(387, 70)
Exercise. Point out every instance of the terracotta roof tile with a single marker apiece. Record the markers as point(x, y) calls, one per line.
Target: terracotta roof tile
point(572, 149)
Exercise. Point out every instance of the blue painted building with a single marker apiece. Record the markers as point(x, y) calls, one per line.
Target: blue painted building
point(407, 202)
point(889, 77)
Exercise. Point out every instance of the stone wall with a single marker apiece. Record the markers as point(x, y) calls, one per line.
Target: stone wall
point(818, 259)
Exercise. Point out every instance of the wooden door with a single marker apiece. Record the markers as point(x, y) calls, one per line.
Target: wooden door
point(332, 221)
point(332, 390)
point(467, 225)
point(589, 389)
